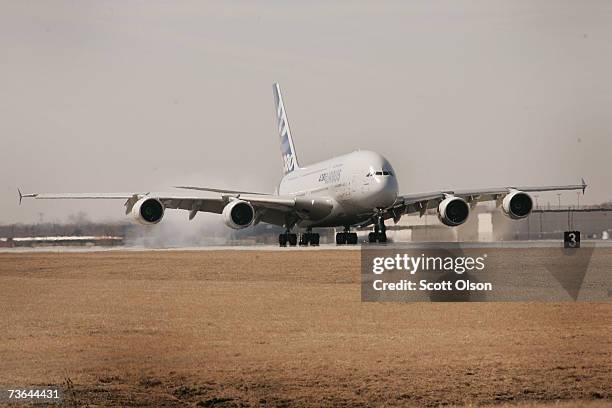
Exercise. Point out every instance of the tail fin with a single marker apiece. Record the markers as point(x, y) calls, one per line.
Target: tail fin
point(290, 161)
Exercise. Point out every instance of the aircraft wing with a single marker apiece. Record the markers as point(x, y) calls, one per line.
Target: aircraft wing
point(218, 190)
point(273, 209)
point(420, 202)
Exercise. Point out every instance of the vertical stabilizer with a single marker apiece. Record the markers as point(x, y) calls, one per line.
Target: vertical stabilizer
point(290, 161)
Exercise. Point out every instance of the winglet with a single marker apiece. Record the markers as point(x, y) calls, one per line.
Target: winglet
point(584, 185)
point(20, 195)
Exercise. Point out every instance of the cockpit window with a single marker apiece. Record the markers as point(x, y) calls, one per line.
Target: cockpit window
point(379, 173)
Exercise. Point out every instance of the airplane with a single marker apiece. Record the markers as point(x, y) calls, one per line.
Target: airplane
point(355, 190)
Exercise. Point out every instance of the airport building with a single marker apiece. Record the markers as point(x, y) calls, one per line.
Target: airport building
point(485, 225)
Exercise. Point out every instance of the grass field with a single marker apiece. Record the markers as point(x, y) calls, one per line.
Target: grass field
point(249, 328)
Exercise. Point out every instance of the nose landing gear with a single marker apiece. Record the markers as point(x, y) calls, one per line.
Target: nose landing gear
point(380, 231)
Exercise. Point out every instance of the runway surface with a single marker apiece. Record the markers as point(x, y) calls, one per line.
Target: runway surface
point(323, 247)
point(284, 328)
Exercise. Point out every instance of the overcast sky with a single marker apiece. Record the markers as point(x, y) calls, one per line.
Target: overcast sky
point(141, 96)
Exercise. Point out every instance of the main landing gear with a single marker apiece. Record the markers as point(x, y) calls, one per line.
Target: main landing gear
point(346, 237)
point(307, 238)
point(287, 238)
point(380, 232)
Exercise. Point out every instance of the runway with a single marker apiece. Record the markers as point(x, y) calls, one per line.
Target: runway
point(323, 247)
point(282, 328)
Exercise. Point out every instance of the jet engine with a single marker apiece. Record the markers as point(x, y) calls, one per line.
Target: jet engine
point(517, 205)
point(238, 214)
point(453, 211)
point(148, 211)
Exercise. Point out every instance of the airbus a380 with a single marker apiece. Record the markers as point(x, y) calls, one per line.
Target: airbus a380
point(358, 189)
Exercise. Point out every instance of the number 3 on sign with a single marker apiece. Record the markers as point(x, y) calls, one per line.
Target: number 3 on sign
point(571, 239)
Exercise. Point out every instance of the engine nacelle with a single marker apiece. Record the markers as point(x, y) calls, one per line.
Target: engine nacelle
point(453, 211)
point(238, 214)
point(517, 205)
point(148, 211)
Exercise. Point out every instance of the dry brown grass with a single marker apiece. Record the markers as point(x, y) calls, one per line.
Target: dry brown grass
point(230, 328)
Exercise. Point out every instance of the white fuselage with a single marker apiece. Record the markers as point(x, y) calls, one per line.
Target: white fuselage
point(357, 183)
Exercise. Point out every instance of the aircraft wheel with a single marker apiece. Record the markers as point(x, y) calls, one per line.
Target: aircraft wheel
point(292, 238)
point(382, 237)
point(305, 239)
point(351, 238)
point(282, 240)
point(314, 241)
point(340, 238)
point(372, 237)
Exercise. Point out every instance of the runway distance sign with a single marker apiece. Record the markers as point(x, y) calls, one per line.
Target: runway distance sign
point(571, 239)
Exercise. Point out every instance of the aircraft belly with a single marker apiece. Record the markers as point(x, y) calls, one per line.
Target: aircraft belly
point(342, 214)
